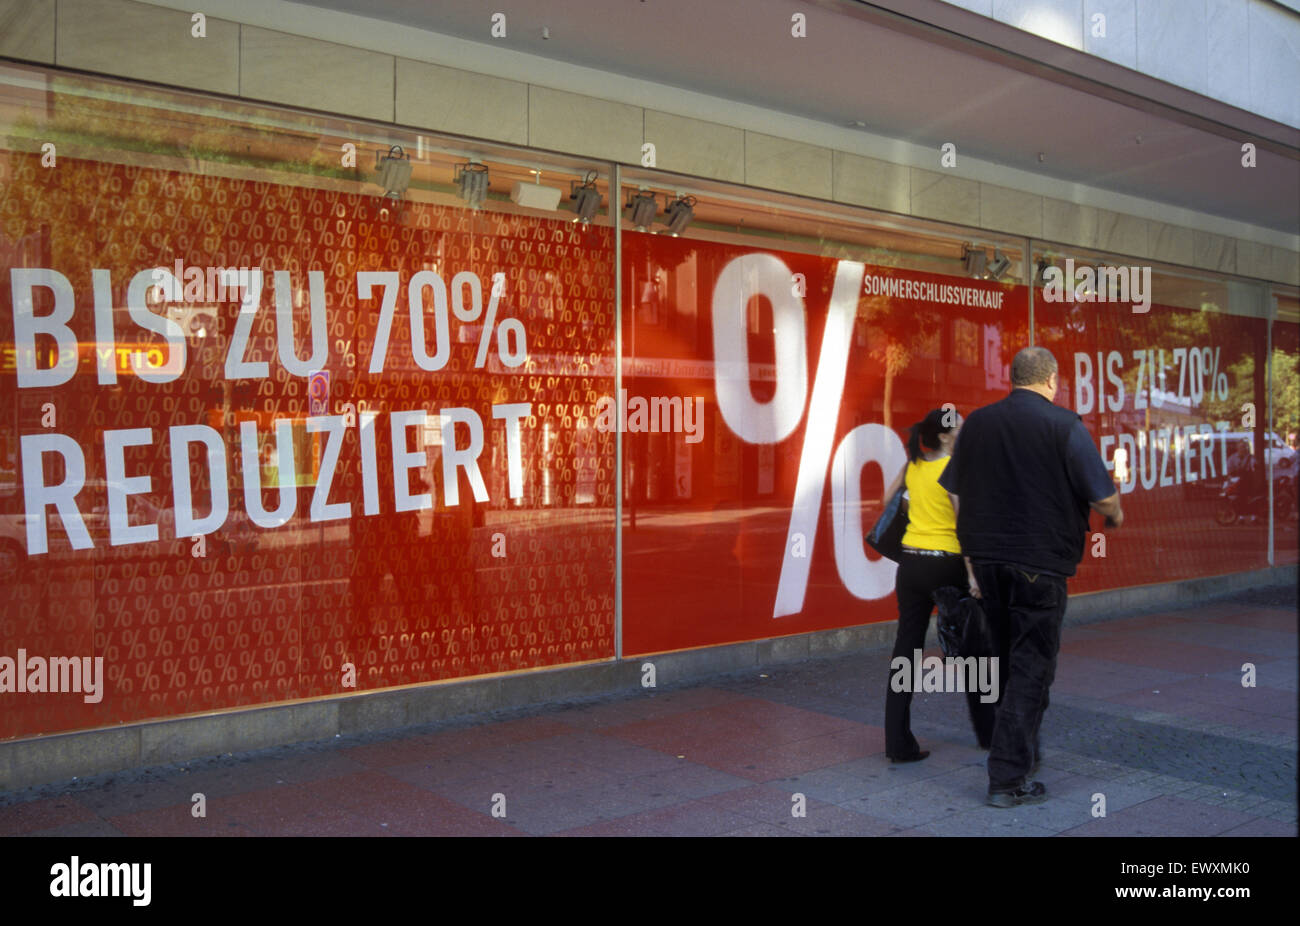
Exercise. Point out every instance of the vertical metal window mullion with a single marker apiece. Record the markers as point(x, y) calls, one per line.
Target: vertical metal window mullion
point(615, 214)
point(1026, 258)
point(1270, 313)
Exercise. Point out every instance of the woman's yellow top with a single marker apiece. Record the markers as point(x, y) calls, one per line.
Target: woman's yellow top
point(931, 522)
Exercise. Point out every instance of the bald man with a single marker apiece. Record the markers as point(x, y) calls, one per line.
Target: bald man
point(1025, 473)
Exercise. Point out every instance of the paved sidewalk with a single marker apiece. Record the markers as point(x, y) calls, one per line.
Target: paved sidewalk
point(1148, 711)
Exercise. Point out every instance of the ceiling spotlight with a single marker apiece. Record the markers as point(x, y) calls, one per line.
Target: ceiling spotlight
point(679, 214)
point(1041, 269)
point(586, 196)
point(473, 181)
point(394, 171)
point(642, 208)
point(975, 261)
point(999, 266)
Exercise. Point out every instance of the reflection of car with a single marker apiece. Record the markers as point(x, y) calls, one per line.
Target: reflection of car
point(1241, 443)
point(237, 534)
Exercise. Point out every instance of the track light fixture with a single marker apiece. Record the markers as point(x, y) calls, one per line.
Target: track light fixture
point(586, 197)
point(679, 214)
point(998, 268)
point(536, 196)
point(394, 171)
point(975, 260)
point(472, 178)
point(642, 207)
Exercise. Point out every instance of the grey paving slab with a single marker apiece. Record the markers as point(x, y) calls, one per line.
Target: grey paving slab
point(1272, 673)
point(542, 816)
point(762, 829)
point(690, 781)
point(987, 821)
point(831, 820)
point(1163, 816)
point(1262, 826)
point(916, 804)
point(85, 828)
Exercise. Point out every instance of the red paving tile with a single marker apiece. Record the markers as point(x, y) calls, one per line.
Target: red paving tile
point(290, 810)
point(530, 728)
point(351, 792)
point(42, 815)
point(298, 769)
point(405, 810)
point(323, 823)
point(684, 734)
point(429, 774)
point(767, 765)
point(179, 820)
point(397, 752)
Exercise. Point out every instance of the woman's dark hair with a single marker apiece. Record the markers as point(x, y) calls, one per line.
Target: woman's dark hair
point(925, 433)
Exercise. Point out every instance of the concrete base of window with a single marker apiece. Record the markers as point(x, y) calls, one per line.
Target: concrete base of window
point(60, 757)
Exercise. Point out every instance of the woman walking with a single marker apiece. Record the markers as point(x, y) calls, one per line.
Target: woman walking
point(931, 559)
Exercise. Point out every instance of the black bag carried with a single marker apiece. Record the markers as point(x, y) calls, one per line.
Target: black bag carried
point(886, 538)
point(963, 626)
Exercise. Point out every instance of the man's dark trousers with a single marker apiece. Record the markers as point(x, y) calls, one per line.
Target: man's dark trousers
point(1025, 611)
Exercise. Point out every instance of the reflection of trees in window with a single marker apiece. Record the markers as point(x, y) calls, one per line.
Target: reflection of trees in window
point(1286, 392)
point(894, 338)
point(965, 342)
point(928, 344)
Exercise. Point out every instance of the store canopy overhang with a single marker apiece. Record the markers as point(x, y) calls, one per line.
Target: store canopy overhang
point(920, 71)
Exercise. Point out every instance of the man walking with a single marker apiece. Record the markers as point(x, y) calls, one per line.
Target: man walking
point(1025, 472)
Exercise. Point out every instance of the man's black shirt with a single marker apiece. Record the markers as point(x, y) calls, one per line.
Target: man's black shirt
point(1024, 471)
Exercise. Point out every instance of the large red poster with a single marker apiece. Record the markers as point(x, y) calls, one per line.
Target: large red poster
point(807, 371)
point(261, 442)
point(747, 521)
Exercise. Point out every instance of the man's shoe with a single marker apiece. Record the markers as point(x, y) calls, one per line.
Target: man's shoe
point(1031, 792)
point(914, 757)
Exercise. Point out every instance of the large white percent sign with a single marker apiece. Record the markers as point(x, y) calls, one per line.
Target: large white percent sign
point(771, 422)
point(510, 329)
point(511, 355)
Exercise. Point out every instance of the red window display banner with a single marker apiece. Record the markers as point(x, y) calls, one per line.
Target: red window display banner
point(747, 521)
point(1176, 400)
point(261, 442)
point(744, 519)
